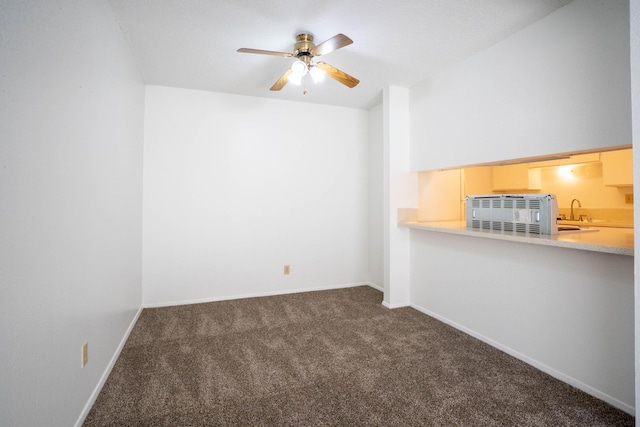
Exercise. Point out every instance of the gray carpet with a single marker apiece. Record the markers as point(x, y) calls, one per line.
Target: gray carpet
point(326, 358)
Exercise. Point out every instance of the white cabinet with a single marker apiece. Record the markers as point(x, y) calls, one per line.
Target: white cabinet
point(617, 168)
point(576, 159)
point(515, 178)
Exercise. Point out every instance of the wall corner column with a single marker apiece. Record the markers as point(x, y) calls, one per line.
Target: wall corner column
point(400, 191)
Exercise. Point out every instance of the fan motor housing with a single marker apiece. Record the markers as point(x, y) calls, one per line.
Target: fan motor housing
point(303, 46)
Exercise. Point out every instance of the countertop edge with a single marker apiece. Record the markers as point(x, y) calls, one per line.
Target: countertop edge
point(545, 240)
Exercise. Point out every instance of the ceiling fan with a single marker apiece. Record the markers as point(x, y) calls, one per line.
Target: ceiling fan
point(305, 50)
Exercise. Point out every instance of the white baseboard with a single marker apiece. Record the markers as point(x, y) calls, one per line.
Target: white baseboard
point(374, 286)
point(396, 305)
point(541, 366)
point(107, 371)
point(253, 295)
point(384, 303)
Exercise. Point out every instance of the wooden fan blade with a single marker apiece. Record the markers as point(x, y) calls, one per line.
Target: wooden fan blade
point(338, 75)
point(282, 80)
point(265, 52)
point(334, 43)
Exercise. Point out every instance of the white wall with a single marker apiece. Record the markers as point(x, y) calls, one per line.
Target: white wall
point(559, 85)
point(71, 123)
point(236, 187)
point(376, 199)
point(634, 14)
point(567, 312)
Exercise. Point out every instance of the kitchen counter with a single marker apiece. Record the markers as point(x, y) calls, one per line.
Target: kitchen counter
point(605, 239)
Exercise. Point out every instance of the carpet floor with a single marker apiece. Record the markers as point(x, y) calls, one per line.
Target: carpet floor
point(327, 358)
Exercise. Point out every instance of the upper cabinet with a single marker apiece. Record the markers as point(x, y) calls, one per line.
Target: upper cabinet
point(518, 177)
point(617, 168)
point(569, 160)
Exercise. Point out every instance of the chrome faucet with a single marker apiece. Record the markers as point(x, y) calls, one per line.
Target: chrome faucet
point(579, 205)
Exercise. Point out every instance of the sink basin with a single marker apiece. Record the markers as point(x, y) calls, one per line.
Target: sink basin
point(573, 229)
point(597, 223)
point(576, 222)
point(569, 226)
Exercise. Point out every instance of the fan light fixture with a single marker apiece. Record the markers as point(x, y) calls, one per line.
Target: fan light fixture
point(317, 74)
point(298, 71)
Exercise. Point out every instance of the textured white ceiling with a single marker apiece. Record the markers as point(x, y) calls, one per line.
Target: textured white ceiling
point(192, 43)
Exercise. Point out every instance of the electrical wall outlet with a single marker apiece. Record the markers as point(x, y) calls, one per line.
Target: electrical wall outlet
point(287, 270)
point(628, 199)
point(85, 354)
